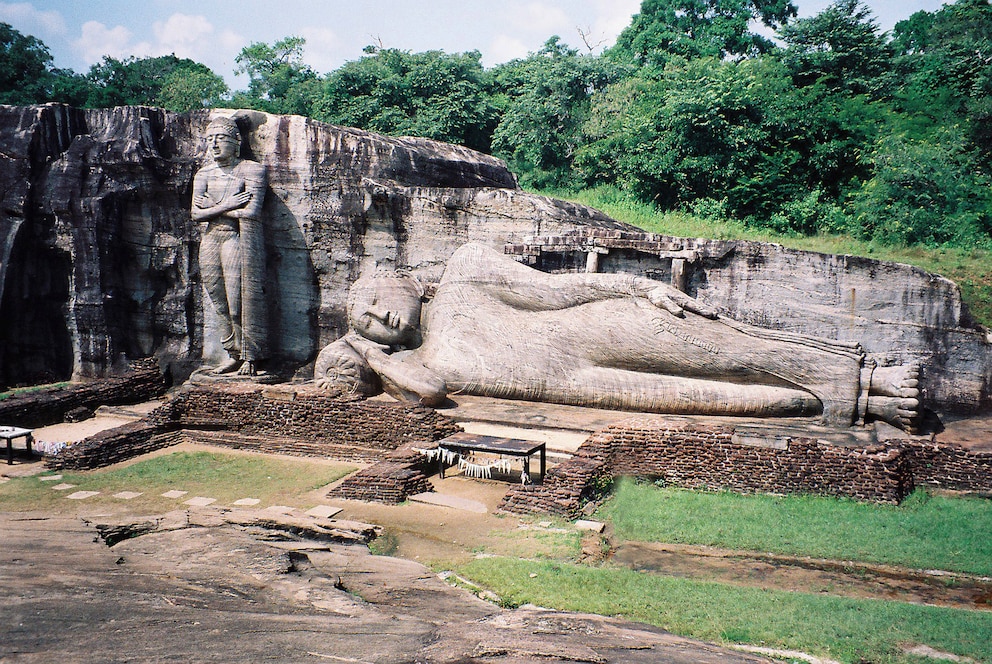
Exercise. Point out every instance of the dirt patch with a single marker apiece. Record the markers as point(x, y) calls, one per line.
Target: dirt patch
point(435, 534)
point(807, 575)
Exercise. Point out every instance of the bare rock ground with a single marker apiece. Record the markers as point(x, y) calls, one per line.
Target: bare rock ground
point(195, 586)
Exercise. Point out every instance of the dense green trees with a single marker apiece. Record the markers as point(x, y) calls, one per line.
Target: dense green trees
point(699, 28)
point(830, 126)
point(174, 83)
point(543, 102)
point(433, 94)
point(25, 68)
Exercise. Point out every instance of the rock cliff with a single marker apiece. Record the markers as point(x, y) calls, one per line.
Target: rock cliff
point(98, 255)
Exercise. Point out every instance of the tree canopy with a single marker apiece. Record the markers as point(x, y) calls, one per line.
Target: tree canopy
point(829, 126)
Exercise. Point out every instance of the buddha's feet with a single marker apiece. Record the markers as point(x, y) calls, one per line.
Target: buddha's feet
point(894, 396)
point(247, 368)
point(901, 381)
point(230, 366)
point(898, 411)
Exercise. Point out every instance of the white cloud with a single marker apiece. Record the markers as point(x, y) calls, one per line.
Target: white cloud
point(186, 36)
point(612, 16)
point(98, 40)
point(504, 48)
point(322, 50)
point(32, 21)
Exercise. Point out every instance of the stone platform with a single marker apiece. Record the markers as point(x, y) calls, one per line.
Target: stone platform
point(587, 448)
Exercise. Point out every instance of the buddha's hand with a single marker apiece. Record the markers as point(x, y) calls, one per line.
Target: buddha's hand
point(237, 201)
point(677, 303)
point(366, 348)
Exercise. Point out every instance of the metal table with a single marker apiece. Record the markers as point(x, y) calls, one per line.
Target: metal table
point(471, 442)
point(11, 433)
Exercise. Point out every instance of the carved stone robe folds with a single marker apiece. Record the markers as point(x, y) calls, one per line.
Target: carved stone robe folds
point(232, 260)
point(498, 328)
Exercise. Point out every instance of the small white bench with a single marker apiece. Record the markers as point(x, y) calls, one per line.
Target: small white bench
point(12, 433)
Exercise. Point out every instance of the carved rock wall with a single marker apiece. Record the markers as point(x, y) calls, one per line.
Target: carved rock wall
point(98, 256)
point(898, 313)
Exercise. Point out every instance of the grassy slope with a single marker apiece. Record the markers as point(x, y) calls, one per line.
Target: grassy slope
point(848, 630)
point(969, 268)
point(925, 532)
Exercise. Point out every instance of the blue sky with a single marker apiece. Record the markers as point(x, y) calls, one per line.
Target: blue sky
point(80, 32)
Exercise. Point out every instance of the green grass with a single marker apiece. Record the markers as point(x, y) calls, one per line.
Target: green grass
point(560, 541)
point(849, 630)
point(226, 477)
point(968, 267)
point(925, 532)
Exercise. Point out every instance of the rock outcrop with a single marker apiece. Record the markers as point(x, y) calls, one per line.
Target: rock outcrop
point(98, 255)
point(215, 586)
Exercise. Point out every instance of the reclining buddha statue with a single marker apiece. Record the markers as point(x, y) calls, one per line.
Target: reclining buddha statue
point(501, 329)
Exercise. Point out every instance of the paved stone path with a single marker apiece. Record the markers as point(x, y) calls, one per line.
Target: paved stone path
point(316, 512)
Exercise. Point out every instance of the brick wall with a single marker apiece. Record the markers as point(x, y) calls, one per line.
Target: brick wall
point(302, 422)
point(950, 467)
point(144, 381)
point(400, 475)
point(698, 456)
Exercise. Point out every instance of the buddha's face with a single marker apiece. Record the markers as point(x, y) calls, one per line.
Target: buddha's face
point(223, 146)
point(386, 309)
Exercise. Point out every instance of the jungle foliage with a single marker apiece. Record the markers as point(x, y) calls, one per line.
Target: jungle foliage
point(832, 127)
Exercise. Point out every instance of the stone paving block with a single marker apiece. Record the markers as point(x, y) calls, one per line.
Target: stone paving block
point(174, 494)
point(128, 495)
point(49, 478)
point(246, 502)
point(280, 509)
point(322, 511)
point(63, 486)
point(82, 495)
point(594, 526)
point(200, 501)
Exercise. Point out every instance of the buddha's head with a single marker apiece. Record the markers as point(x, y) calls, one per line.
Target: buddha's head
point(385, 308)
point(223, 140)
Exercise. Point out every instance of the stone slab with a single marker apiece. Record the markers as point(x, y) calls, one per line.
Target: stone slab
point(82, 495)
point(174, 494)
point(594, 526)
point(49, 478)
point(63, 487)
point(200, 501)
point(128, 495)
point(454, 502)
point(246, 502)
point(323, 511)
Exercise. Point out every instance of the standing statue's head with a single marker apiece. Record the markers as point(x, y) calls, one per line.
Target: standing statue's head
point(385, 308)
point(224, 140)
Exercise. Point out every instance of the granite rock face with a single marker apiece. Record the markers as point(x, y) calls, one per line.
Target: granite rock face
point(98, 255)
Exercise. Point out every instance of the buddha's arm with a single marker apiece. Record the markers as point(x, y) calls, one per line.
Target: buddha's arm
point(244, 204)
point(522, 287)
point(402, 377)
point(547, 292)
